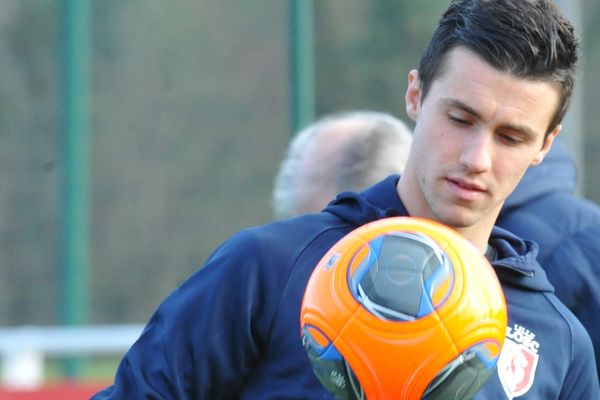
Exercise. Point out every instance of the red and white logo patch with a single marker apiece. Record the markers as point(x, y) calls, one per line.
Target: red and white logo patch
point(518, 361)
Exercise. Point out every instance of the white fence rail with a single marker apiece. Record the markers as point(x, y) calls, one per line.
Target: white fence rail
point(23, 349)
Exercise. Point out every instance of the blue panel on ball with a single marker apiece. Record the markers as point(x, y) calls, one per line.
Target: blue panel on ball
point(397, 278)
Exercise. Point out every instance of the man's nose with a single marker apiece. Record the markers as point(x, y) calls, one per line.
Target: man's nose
point(476, 155)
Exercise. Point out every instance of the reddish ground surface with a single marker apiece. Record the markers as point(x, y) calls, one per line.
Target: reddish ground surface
point(55, 391)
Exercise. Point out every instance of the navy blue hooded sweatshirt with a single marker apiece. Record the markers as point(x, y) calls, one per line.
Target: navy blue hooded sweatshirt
point(232, 330)
point(543, 208)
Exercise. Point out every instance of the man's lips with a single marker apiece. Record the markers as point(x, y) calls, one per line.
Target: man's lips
point(467, 185)
point(465, 189)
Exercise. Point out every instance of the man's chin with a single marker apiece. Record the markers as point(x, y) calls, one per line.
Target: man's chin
point(458, 220)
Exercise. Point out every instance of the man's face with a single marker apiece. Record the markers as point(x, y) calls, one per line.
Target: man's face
point(476, 132)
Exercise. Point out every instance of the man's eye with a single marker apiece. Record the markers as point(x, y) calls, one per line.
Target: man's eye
point(509, 139)
point(458, 120)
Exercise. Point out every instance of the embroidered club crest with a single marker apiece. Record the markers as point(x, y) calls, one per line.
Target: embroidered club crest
point(518, 361)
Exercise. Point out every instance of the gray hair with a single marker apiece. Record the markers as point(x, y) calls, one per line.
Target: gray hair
point(378, 147)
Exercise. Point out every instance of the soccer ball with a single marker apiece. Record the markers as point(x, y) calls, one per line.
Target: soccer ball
point(403, 308)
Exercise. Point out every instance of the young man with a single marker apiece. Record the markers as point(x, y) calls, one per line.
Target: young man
point(340, 152)
point(487, 101)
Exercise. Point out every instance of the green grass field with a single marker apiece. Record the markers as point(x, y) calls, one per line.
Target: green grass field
point(97, 369)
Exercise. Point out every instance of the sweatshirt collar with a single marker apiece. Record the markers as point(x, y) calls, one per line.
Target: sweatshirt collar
point(516, 258)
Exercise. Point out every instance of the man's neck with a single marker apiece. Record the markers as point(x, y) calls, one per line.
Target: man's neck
point(416, 205)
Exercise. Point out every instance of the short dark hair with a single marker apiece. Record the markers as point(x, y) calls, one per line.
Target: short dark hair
point(529, 39)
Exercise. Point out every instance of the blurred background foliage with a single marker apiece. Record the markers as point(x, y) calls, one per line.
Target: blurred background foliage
point(189, 119)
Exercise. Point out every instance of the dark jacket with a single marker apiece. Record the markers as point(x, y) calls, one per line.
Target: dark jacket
point(544, 209)
point(232, 330)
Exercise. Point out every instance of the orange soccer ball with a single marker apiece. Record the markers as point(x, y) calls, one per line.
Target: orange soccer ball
point(403, 308)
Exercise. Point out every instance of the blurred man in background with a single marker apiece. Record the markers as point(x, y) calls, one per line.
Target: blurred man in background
point(342, 152)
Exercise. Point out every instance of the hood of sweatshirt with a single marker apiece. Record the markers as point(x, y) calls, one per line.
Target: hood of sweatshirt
point(515, 263)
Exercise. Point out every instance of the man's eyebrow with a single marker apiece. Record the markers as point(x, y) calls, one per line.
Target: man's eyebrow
point(463, 106)
point(470, 110)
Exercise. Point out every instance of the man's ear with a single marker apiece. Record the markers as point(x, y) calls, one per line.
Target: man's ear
point(413, 95)
point(547, 145)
